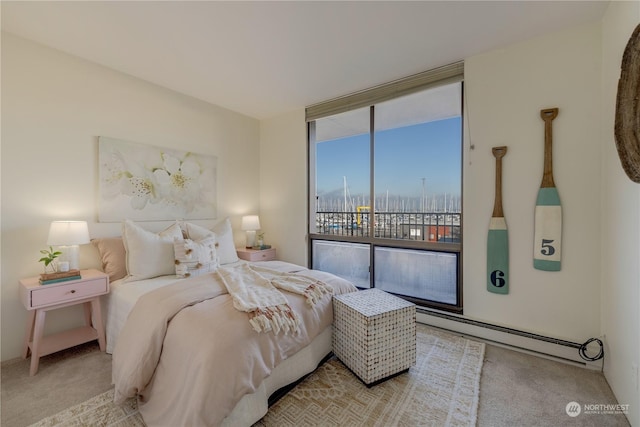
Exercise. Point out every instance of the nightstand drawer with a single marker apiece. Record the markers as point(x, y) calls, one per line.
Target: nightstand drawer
point(34, 295)
point(257, 255)
point(69, 292)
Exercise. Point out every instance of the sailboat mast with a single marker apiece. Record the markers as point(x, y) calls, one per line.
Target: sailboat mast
point(344, 180)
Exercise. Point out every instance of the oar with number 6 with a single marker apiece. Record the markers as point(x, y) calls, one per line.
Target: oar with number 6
point(498, 238)
point(547, 246)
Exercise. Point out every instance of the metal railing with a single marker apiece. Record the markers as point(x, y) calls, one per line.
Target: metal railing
point(424, 226)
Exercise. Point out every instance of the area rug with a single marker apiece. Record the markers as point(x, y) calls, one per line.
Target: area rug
point(442, 389)
point(97, 411)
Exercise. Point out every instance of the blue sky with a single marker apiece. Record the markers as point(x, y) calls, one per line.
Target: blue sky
point(404, 156)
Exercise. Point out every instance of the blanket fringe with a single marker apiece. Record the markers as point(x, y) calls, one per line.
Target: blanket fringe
point(315, 291)
point(277, 318)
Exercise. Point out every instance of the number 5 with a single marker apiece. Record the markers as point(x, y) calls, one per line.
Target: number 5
point(547, 249)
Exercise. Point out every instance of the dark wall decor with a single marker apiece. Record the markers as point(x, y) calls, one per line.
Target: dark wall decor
point(627, 124)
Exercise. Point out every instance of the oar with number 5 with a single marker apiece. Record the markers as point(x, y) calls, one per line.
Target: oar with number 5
point(547, 246)
point(498, 238)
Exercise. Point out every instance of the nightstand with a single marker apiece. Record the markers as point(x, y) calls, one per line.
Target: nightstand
point(256, 254)
point(39, 299)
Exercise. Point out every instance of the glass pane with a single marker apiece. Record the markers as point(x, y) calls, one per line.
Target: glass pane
point(418, 158)
point(342, 172)
point(347, 260)
point(420, 274)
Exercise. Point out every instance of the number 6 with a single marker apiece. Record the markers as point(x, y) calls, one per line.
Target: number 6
point(497, 279)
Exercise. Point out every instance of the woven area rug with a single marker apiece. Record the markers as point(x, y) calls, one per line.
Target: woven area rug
point(97, 411)
point(442, 389)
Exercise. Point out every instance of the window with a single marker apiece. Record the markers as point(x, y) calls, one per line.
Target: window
point(385, 188)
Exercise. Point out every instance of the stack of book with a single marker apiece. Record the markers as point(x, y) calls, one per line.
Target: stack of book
point(63, 276)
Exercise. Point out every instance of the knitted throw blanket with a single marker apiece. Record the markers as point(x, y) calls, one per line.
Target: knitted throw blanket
point(254, 290)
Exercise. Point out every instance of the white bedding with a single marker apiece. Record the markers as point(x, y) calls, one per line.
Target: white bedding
point(252, 406)
point(123, 296)
point(120, 301)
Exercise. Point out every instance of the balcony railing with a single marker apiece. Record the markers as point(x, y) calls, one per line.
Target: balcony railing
point(425, 226)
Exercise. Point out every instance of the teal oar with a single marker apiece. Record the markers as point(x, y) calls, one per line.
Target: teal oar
point(547, 245)
point(498, 239)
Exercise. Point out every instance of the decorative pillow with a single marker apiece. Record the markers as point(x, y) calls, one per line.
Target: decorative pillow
point(226, 246)
point(113, 256)
point(224, 236)
point(149, 254)
point(194, 258)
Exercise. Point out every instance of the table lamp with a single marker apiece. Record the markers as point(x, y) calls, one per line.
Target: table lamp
point(250, 223)
point(68, 235)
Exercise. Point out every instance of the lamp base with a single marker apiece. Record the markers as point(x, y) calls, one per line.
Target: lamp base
point(69, 256)
point(251, 238)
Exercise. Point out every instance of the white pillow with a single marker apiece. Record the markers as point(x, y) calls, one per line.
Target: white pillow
point(224, 237)
point(194, 258)
point(226, 246)
point(196, 232)
point(149, 254)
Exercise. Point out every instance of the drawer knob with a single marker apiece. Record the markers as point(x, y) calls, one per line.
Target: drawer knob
point(73, 291)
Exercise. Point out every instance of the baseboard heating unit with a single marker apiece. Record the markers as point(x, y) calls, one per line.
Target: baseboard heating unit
point(539, 345)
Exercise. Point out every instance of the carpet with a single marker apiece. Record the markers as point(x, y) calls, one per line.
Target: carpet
point(442, 389)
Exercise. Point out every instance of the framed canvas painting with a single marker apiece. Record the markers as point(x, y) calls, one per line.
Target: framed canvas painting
point(148, 183)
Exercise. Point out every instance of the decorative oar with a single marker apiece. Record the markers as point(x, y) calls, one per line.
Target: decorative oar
point(547, 243)
point(498, 238)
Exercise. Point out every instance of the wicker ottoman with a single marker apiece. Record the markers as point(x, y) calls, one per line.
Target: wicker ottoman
point(374, 334)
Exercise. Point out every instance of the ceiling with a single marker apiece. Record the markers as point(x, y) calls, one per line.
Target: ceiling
point(266, 58)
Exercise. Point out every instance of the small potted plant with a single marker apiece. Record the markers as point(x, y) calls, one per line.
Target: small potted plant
point(49, 259)
point(260, 242)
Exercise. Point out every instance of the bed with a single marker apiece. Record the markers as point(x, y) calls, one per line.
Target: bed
point(183, 348)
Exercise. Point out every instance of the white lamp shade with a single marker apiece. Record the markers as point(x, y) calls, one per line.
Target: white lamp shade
point(250, 223)
point(68, 233)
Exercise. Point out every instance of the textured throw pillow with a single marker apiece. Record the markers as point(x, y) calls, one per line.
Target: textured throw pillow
point(194, 258)
point(224, 237)
point(149, 254)
point(112, 255)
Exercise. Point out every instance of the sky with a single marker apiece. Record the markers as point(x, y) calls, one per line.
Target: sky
point(404, 156)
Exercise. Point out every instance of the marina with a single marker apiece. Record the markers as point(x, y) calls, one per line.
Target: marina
point(427, 226)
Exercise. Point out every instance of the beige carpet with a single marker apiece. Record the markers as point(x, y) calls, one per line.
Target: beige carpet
point(441, 390)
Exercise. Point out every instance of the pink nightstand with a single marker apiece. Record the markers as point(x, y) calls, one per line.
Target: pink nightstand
point(39, 299)
point(256, 254)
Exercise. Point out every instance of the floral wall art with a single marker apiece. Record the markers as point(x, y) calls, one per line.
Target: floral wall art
point(148, 183)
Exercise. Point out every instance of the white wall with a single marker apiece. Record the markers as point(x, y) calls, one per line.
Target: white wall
point(283, 185)
point(54, 106)
point(621, 225)
point(505, 91)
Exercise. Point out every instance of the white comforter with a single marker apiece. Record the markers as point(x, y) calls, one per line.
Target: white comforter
point(123, 295)
point(190, 356)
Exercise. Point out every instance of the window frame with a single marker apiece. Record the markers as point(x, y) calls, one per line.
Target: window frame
point(369, 98)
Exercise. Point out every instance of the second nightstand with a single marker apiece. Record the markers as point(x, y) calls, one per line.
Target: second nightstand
point(39, 299)
point(256, 254)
